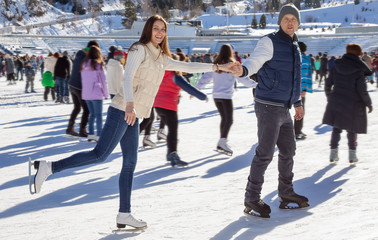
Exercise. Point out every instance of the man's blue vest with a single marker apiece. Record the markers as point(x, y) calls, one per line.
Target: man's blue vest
point(279, 79)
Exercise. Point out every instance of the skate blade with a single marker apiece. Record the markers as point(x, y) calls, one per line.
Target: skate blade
point(223, 152)
point(31, 183)
point(251, 212)
point(352, 164)
point(291, 205)
point(70, 137)
point(148, 147)
point(131, 229)
point(179, 167)
point(86, 140)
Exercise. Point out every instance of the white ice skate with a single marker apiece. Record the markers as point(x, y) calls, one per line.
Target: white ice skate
point(44, 169)
point(126, 219)
point(161, 135)
point(147, 142)
point(223, 147)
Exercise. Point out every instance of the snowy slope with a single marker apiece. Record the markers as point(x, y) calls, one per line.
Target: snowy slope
point(204, 201)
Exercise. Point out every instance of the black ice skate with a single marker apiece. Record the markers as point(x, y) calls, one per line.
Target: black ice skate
point(71, 134)
point(257, 209)
point(298, 201)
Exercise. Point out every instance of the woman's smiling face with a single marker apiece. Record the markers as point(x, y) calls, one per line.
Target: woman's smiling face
point(158, 32)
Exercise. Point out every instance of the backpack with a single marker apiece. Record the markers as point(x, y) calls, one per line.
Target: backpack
point(47, 79)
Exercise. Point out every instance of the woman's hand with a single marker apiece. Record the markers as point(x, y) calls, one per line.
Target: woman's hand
point(130, 115)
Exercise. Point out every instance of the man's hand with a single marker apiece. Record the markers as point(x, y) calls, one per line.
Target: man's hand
point(237, 69)
point(299, 113)
point(370, 109)
point(130, 115)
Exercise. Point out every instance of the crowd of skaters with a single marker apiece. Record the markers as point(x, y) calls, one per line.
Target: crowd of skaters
point(56, 70)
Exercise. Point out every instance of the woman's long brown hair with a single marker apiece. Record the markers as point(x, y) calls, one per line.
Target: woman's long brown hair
point(225, 55)
point(147, 35)
point(93, 54)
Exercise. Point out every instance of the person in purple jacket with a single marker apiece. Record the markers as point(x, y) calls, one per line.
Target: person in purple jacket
point(95, 89)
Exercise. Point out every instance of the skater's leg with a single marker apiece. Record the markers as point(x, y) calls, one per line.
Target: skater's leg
point(97, 108)
point(218, 104)
point(335, 137)
point(352, 140)
point(298, 124)
point(75, 110)
point(286, 145)
point(85, 115)
point(46, 93)
point(92, 116)
point(129, 145)
point(114, 129)
point(170, 118)
point(225, 108)
point(146, 124)
point(269, 119)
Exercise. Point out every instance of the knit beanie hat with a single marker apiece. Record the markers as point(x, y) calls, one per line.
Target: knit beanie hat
point(289, 9)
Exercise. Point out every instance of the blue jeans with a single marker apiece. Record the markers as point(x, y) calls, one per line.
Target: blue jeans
point(19, 70)
point(274, 127)
point(95, 113)
point(115, 131)
point(61, 87)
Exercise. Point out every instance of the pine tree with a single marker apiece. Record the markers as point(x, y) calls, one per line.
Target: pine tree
point(130, 14)
point(254, 22)
point(262, 23)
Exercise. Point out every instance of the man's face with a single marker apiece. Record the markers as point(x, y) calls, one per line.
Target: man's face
point(289, 24)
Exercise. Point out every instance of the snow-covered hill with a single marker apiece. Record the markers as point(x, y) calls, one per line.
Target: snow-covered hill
point(59, 20)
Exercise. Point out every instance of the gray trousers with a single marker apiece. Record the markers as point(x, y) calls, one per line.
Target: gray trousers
point(275, 127)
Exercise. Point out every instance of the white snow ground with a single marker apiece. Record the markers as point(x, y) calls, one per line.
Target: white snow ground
point(204, 201)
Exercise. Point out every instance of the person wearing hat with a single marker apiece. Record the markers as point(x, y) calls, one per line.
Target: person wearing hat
point(306, 86)
point(277, 62)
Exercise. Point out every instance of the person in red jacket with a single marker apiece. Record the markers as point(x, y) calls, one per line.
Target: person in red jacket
point(165, 105)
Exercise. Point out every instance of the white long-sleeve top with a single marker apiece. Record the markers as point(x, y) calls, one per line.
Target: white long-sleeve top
point(262, 53)
point(223, 83)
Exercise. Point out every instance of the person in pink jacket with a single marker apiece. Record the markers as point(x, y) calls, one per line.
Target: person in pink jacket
point(95, 89)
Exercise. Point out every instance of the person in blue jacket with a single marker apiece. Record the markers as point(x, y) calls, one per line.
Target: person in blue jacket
point(75, 88)
point(277, 62)
point(306, 87)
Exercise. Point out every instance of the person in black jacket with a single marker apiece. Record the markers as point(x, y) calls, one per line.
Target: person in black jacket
point(61, 73)
point(75, 90)
point(348, 98)
point(323, 70)
point(19, 67)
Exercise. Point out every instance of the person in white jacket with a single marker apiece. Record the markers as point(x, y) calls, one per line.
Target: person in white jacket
point(50, 62)
point(223, 90)
point(114, 73)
